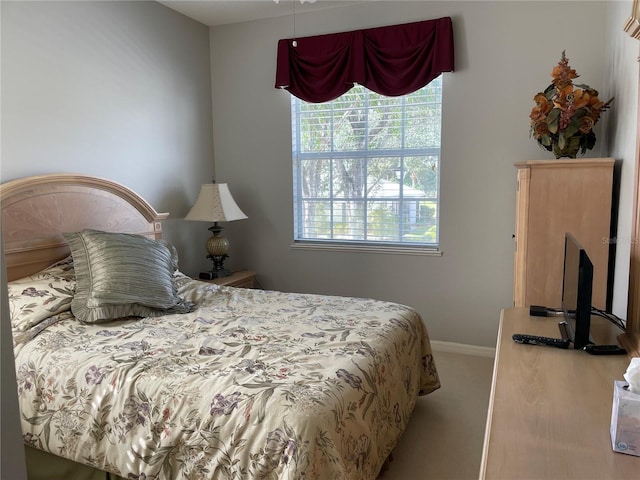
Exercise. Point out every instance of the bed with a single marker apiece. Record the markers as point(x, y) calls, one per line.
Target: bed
point(226, 383)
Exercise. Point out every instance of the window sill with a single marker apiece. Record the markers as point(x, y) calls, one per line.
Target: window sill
point(383, 249)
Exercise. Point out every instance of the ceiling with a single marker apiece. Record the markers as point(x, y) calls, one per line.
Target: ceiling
point(221, 12)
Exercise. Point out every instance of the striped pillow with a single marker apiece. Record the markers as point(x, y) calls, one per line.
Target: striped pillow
point(122, 275)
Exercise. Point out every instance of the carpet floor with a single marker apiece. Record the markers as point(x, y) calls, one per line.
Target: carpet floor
point(444, 438)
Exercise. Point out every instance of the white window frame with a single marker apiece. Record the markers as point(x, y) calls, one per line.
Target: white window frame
point(359, 245)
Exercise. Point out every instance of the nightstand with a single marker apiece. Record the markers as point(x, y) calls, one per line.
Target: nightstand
point(241, 279)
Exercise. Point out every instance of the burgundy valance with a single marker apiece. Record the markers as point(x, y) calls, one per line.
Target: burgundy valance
point(394, 60)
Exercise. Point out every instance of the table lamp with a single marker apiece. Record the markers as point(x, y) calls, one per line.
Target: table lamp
point(215, 204)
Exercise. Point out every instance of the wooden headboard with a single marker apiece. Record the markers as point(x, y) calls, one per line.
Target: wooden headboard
point(36, 211)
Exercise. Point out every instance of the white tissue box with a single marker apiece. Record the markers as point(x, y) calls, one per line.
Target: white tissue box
point(625, 420)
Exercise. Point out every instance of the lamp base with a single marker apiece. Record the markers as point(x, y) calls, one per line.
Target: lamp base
point(218, 270)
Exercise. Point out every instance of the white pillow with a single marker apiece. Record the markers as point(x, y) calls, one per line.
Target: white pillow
point(44, 294)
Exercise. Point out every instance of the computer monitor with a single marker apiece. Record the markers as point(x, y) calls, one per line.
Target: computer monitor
point(577, 285)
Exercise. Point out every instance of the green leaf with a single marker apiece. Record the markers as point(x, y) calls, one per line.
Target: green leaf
point(370, 399)
point(58, 306)
point(573, 128)
point(40, 418)
point(561, 141)
point(47, 433)
point(589, 141)
point(155, 457)
point(552, 120)
point(262, 404)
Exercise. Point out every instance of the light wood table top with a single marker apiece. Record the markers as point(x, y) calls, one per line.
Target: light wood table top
point(241, 279)
point(550, 409)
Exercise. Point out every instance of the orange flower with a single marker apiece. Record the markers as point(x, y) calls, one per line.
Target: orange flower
point(541, 109)
point(540, 129)
point(563, 96)
point(562, 74)
point(595, 105)
point(541, 102)
point(586, 124)
point(580, 98)
point(536, 115)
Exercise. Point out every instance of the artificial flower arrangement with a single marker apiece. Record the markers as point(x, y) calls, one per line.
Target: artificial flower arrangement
point(563, 118)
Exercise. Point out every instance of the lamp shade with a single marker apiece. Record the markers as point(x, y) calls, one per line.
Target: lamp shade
point(215, 204)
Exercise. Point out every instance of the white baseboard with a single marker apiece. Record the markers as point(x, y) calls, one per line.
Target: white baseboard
point(461, 348)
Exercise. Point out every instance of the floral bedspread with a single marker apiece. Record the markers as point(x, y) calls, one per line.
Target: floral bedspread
point(251, 385)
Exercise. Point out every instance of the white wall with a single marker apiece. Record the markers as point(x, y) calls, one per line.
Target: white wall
point(621, 82)
point(505, 52)
point(114, 89)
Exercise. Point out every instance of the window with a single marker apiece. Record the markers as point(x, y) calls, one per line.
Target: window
point(366, 168)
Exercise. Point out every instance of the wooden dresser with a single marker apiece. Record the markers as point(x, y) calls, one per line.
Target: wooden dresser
point(550, 409)
point(555, 197)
